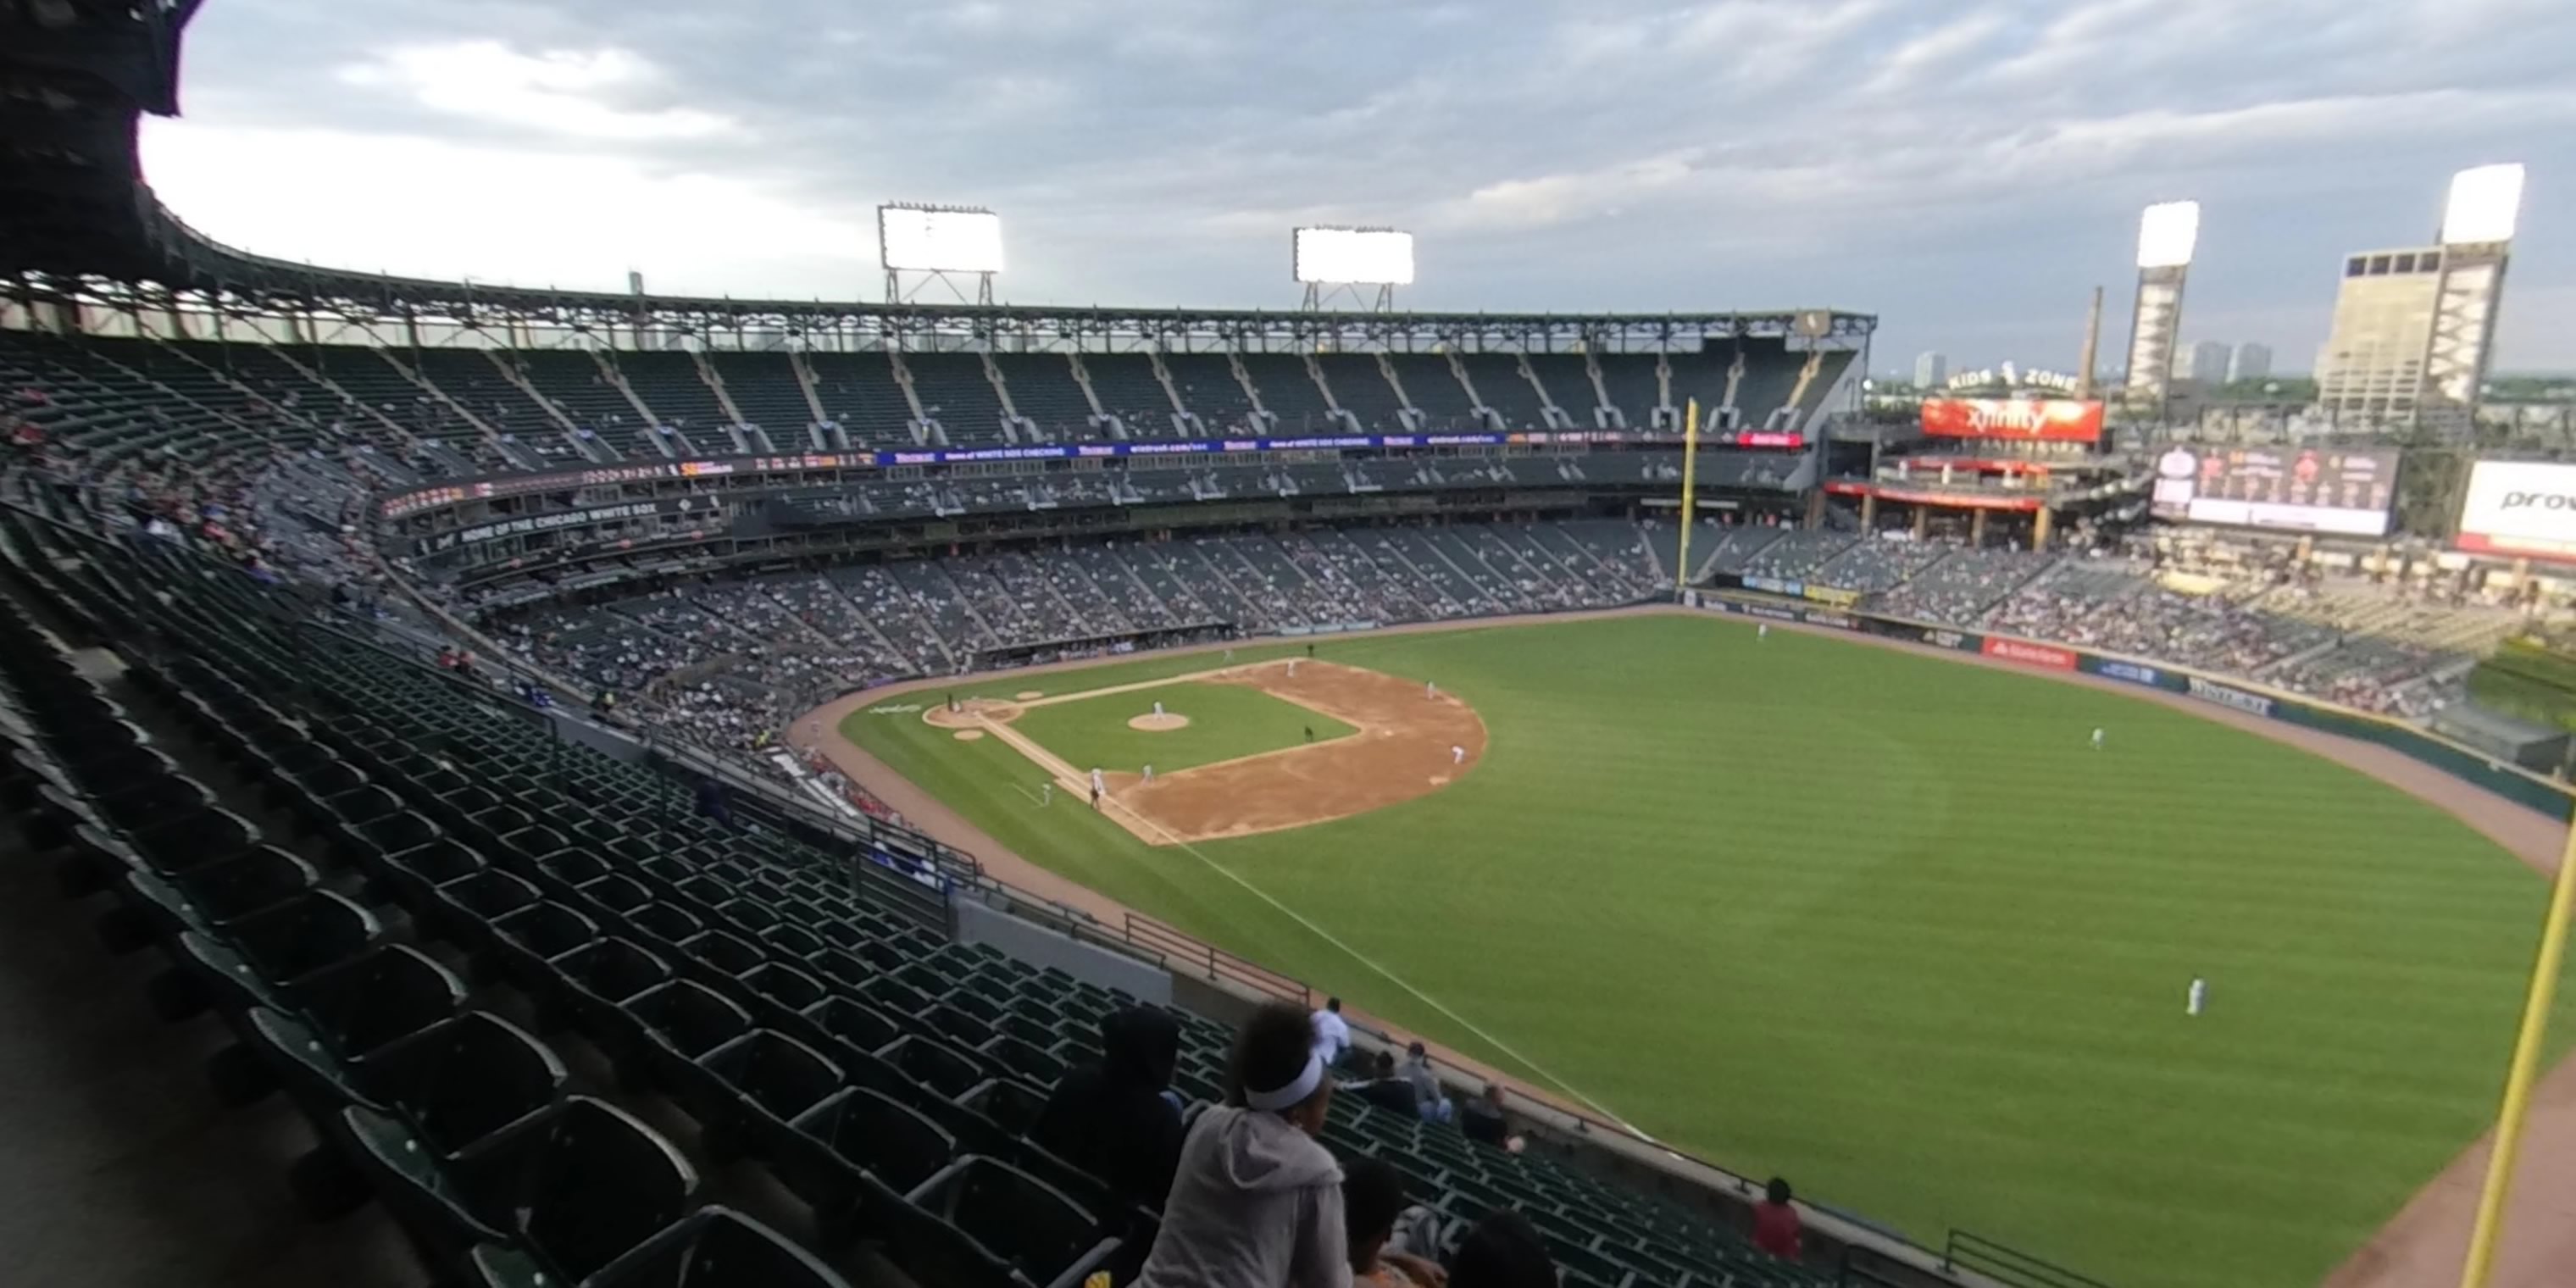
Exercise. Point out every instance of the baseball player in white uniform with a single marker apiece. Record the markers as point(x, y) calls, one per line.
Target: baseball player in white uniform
point(1099, 785)
point(1149, 773)
point(1046, 792)
point(1430, 690)
point(1762, 632)
point(1457, 755)
point(2199, 998)
point(2097, 740)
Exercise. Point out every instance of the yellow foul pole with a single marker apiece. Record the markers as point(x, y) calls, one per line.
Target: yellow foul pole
point(1690, 478)
point(2518, 1077)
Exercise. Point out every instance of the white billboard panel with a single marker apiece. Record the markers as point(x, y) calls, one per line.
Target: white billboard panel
point(2484, 203)
point(1354, 256)
point(2167, 231)
point(2520, 508)
point(938, 239)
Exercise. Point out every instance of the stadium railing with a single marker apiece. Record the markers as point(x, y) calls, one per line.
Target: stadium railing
point(2007, 1265)
point(1213, 964)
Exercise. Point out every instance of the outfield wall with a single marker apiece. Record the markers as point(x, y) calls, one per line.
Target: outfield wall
point(2467, 764)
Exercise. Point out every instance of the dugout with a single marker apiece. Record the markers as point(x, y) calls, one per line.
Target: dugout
point(2538, 748)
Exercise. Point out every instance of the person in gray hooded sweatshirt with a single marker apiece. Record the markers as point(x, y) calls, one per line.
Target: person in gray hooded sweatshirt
point(1258, 1202)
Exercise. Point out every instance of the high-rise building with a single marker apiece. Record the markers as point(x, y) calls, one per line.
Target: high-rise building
point(2250, 362)
point(2372, 367)
point(1931, 367)
point(2206, 364)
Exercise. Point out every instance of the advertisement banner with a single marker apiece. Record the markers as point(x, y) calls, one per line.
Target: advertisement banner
point(1775, 586)
point(1939, 637)
point(2042, 420)
point(2520, 508)
point(2297, 490)
point(2039, 655)
point(1834, 595)
point(2229, 696)
point(2133, 673)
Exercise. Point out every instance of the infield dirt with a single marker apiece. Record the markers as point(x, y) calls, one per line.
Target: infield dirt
point(1406, 746)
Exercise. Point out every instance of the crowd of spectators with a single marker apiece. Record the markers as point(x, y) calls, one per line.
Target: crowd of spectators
point(1876, 565)
point(1248, 1194)
point(1959, 588)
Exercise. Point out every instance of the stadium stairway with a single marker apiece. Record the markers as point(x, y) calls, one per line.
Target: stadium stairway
point(560, 1028)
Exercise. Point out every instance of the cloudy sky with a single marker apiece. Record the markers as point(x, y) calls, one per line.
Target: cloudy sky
point(1966, 169)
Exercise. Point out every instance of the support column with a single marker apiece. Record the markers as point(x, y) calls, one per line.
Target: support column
point(1977, 530)
point(1868, 512)
point(1922, 521)
point(2039, 528)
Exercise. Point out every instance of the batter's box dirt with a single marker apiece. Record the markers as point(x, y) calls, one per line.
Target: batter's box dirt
point(1406, 747)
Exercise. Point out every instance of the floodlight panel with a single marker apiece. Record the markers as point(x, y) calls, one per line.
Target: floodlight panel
point(2167, 231)
point(1354, 256)
point(2485, 201)
point(934, 239)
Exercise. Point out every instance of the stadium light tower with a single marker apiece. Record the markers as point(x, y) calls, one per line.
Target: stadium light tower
point(2477, 236)
point(938, 244)
point(2167, 233)
point(1330, 262)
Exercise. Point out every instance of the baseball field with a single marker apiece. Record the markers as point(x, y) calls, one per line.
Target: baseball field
point(1886, 924)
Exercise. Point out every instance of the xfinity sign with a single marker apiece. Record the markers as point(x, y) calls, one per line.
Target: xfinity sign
point(2520, 508)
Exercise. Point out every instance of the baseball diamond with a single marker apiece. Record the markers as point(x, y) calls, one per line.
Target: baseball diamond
point(1932, 947)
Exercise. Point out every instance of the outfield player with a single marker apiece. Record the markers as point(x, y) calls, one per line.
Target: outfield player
point(1762, 632)
point(2199, 998)
point(2097, 739)
point(1046, 793)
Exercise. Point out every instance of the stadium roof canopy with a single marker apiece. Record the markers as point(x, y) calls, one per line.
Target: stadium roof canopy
point(77, 218)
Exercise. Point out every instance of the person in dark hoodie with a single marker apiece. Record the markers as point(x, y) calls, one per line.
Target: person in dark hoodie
point(1111, 1118)
point(1257, 1202)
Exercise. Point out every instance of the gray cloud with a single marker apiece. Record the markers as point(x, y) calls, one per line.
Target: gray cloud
point(1966, 169)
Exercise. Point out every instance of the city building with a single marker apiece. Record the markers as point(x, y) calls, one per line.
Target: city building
point(2251, 362)
point(1931, 367)
point(2207, 364)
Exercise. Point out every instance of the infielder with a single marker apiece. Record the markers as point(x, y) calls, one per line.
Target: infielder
point(2199, 997)
point(1457, 755)
point(1292, 668)
point(1098, 785)
point(2097, 740)
point(1158, 710)
point(1430, 691)
point(1149, 773)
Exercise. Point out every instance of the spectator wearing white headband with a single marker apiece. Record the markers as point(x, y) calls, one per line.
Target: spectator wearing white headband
point(1257, 1202)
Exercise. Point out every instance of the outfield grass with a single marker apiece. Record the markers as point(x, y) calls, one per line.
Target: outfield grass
point(1886, 925)
point(1226, 721)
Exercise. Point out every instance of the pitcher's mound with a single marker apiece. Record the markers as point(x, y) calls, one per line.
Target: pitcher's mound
point(1163, 723)
point(967, 735)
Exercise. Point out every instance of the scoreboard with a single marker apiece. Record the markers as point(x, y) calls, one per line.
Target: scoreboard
point(2345, 493)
